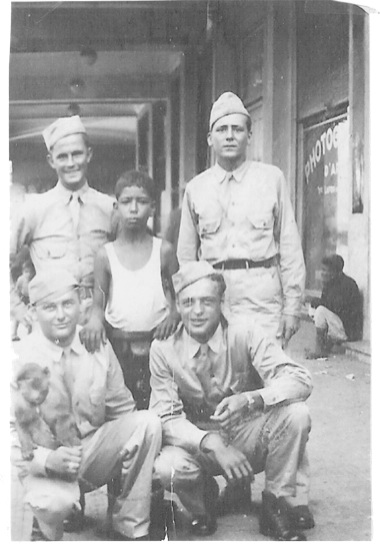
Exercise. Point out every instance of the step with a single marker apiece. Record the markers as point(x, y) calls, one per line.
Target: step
point(361, 350)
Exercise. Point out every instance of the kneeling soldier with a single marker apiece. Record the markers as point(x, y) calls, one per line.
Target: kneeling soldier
point(231, 402)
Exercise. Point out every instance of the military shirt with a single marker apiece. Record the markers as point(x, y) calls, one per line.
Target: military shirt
point(45, 224)
point(243, 214)
point(90, 386)
point(241, 359)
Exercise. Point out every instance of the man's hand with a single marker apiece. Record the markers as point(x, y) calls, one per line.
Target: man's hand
point(167, 326)
point(289, 325)
point(65, 461)
point(231, 409)
point(93, 334)
point(233, 463)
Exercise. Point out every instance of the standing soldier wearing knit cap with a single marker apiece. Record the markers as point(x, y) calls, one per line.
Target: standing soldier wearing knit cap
point(237, 215)
point(67, 225)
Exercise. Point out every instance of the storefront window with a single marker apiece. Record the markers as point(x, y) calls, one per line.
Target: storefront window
point(327, 194)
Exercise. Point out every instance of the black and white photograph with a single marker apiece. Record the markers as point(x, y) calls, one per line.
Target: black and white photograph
point(190, 270)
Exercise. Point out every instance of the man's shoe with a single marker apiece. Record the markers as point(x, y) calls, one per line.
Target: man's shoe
point(37, 534)
point(301, 517)
point(205, 525)
point(75, 521)
point(275, 521)
point(117, 536)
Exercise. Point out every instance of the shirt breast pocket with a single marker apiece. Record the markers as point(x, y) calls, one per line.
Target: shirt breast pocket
point(51, 249)
point(261, 222)
point(208, 228)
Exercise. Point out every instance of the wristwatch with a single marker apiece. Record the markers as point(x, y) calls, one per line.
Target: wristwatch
point(250, 399)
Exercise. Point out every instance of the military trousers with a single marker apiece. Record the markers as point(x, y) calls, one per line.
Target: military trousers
point(273, 442)
point(52, 499)
point(254, 295)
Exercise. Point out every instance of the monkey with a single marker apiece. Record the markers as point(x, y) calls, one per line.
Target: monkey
point(32, 388)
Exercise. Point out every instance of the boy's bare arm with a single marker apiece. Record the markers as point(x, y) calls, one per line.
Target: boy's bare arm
point(93, 333)
point(169, 265)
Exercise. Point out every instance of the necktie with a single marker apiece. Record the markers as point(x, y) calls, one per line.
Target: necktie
point(204, 368)
point(75, 209)
point(66, 370)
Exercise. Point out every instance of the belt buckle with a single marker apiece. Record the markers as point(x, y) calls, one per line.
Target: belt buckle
point(246, 265)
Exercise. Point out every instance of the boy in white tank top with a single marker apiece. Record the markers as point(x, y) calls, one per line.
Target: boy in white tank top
point(133, 293)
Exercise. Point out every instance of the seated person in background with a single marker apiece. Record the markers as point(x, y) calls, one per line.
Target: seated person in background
point(113, 435)
point(337, 315)
point(22, 290)
point(231, 402)
point(133, 290)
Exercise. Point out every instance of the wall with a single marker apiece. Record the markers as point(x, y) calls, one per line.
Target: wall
point(284, 93)
point(359, 229)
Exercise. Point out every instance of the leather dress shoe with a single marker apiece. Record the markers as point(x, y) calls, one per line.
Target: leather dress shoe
point(117, 536)
point(301, 517)
point(37, 534)
point(275, 520)
point(74, 522)
point(205, 524)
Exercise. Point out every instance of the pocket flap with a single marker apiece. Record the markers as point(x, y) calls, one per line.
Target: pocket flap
point(209, 227)
point(260, 221)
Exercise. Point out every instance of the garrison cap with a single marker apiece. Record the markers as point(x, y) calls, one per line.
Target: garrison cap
point(49, 283)
point(61, 127)
point(228, 103)
point(191, 272)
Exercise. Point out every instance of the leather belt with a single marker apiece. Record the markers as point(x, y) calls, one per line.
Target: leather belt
point(245, 264)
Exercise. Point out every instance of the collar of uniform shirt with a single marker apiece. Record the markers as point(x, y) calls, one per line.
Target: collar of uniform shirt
point(221, 174)
point(216, 343)
point(66, 193)
point(54, 351)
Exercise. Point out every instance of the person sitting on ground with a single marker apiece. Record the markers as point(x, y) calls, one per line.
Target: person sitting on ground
point(133, 290)
point(115, 438)
point(337, 314)
point(231, 402)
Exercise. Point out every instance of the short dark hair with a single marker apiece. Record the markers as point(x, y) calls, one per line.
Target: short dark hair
point(334, 262)
point(135, 178)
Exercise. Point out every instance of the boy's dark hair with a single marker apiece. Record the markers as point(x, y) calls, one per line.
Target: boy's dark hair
point(135, 178)
point(334, 262)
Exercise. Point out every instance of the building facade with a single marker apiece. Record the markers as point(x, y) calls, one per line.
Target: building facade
point(143, 75)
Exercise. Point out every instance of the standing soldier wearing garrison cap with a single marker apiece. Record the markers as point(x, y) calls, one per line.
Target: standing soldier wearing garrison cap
point(237, 215)
point(67, 225)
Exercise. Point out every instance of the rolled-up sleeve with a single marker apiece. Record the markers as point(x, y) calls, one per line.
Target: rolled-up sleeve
point(165, 402)
point(291, 261)
point(188, 238)
point(284, 380)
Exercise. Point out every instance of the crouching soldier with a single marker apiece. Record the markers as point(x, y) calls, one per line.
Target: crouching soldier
point(231, 402)
point(114, 437)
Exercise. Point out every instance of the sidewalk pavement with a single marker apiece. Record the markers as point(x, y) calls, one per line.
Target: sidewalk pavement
point(339, 453)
